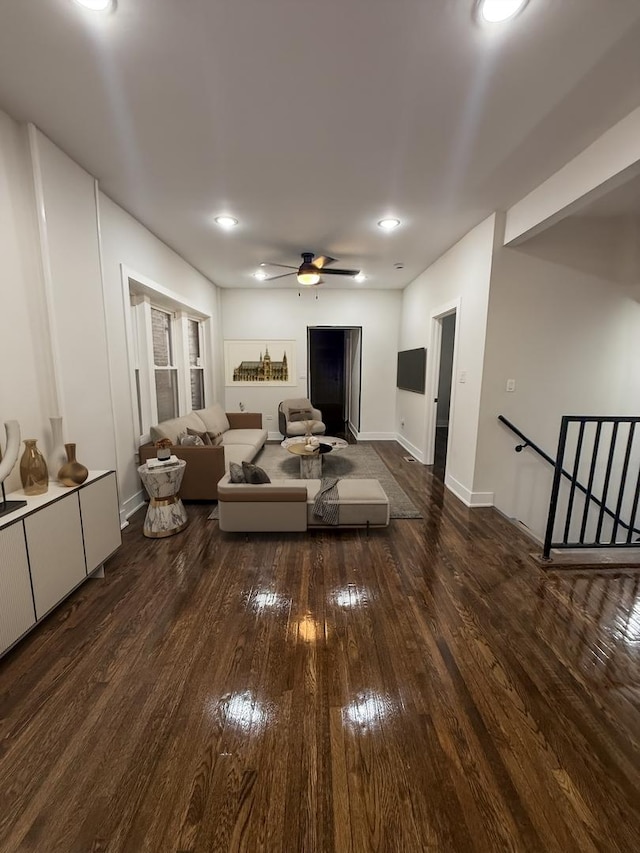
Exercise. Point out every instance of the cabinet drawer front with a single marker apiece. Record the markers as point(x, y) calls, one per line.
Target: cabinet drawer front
point(56, 552)
point(16, 602)
point(100, 520)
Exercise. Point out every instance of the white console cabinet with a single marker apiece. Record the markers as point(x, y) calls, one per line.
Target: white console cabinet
point(50, 546)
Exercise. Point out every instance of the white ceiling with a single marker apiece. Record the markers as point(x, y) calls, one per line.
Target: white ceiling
point(309, 121)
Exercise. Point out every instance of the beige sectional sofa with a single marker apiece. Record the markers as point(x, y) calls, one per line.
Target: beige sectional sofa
point(241, 437)
point(287, 505)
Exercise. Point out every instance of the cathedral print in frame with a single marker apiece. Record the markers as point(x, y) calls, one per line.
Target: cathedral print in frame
point(260, 363)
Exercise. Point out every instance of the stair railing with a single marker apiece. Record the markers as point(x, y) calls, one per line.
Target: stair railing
point(586, 526)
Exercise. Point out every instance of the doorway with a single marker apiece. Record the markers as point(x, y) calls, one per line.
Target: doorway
point(443, 395)
point(334, 354)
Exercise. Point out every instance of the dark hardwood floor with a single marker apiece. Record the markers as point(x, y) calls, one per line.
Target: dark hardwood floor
point(424, 688)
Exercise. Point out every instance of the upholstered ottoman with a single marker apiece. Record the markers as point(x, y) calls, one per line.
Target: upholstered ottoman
point(362, 503)
point(287, 505)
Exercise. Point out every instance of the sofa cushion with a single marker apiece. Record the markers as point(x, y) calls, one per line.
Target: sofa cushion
point(295, 428)
point(171, 429)
point(238, 453)
point(300, 415)
point(214, 418)
point(254, 474)
point(296, 403)
point(361, 502)
point(254, 437)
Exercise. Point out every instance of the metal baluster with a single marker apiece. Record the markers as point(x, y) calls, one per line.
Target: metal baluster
point(574, 480)
point(607, 479)
point(623, 482)
point(592, 472)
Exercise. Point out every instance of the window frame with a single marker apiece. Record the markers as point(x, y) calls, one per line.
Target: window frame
point(142, 368)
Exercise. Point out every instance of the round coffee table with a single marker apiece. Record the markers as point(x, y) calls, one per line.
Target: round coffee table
point(310, 460)
point(330, 440)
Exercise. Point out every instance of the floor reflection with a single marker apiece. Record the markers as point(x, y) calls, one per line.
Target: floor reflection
point(350, 596)
point(241, 710)
point(593, 620)
point(368, 709)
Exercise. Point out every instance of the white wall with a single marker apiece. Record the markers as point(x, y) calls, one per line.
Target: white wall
point(282, 314)
point(69, 234)
point(26, 380)
point(609, 162)
point(125, 242)
point(461, 274)
point(571, 340)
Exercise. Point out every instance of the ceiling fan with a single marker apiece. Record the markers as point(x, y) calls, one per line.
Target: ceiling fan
point(308, 273)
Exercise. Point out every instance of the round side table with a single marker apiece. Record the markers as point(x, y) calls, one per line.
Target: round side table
point(166, 514)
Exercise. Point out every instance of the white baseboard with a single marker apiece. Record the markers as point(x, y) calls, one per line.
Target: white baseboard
point(468, 498)
point(413, 450)
point(274, 436)
point(130, 506)
point(376, 436)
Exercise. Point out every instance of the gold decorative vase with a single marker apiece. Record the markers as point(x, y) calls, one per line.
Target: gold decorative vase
point(72, 473)
point(33, 469)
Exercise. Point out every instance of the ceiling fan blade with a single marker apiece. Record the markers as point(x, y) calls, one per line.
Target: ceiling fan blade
point(322, 261)
point(284, 275)
point(340, 272)
point(284, 266)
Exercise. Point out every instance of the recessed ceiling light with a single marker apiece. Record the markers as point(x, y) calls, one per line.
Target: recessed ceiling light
point(360, 277)
point(388, 224)
point(495, 11)
point(260, 275)
point(96, 5)
point(226, 221)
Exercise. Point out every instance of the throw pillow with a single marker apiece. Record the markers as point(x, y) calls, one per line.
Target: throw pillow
point(203, 436)
point(186, 440)
point(300, 415)
point(236, 474)
point(215, 438)
point(254, 474)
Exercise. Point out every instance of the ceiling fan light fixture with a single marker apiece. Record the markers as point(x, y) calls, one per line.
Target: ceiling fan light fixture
point(360, 277)
point(497, 11)
point(225, 221)
point(260, 275)
point(388, 223)
point(308, 278)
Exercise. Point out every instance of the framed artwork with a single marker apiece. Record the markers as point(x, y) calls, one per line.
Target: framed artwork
point(260, 363)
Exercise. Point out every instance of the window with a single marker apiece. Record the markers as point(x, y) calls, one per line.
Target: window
point(167, 360)
point(164, 368)
point(196, 371)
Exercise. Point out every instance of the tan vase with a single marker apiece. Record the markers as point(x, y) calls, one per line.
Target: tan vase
point(72, 473)
point(33, 469)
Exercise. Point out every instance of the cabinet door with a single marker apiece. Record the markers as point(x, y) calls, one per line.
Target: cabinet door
point(16, 603)
point(100, 520)
point(56, 552)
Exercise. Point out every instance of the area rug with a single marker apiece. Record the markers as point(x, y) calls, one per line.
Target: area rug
point(358, 461)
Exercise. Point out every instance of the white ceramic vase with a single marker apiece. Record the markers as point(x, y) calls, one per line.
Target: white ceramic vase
point(58, 456)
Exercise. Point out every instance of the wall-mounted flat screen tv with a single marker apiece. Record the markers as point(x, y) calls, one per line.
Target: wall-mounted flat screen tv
point(412, 369)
